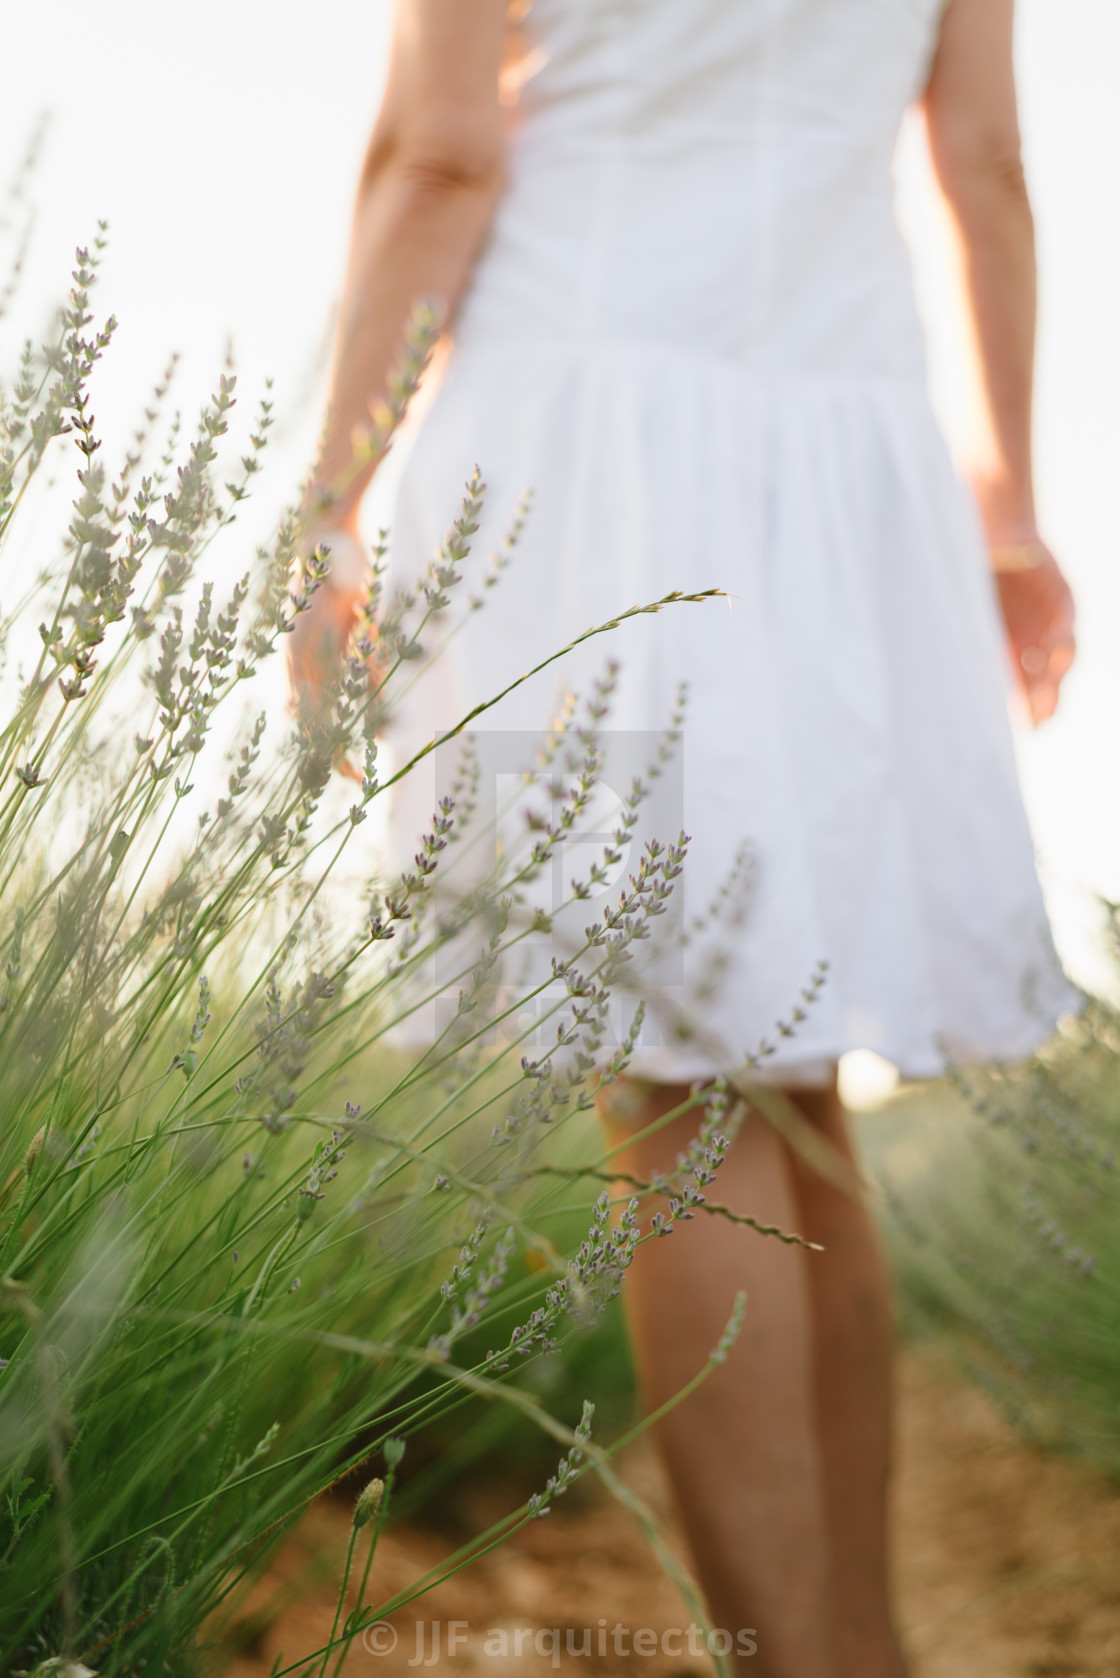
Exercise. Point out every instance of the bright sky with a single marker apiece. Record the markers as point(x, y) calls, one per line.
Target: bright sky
point(222, 142)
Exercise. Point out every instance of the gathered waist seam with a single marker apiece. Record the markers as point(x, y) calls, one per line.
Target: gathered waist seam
point(601, 345)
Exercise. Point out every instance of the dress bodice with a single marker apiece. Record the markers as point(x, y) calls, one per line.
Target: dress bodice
point(716, 175)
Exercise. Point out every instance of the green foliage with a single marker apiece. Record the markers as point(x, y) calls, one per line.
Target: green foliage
point(1007, 1235)
point(244, 1235)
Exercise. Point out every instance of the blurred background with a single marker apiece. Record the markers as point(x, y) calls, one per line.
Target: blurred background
point(222, 144)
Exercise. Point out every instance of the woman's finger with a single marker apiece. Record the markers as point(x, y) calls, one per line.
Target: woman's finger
point(1043, 672)
point(1062, 656)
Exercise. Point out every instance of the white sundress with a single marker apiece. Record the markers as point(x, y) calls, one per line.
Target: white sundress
point(692, 332)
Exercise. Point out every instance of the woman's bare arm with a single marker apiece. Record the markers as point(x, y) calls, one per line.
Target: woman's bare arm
point(432, 177)
point(973, 124)
point(974, 141)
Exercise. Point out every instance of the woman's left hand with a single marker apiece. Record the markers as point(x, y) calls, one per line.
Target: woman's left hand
point(1038, 614)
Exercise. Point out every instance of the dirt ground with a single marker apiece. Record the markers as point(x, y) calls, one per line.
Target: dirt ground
point(1008, 1567)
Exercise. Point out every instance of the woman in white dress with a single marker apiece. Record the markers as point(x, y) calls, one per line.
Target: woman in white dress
point(682, 313)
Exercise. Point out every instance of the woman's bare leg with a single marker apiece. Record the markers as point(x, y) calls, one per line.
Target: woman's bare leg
point(742, 1451)
point(852, 1340)
point(779, 1460)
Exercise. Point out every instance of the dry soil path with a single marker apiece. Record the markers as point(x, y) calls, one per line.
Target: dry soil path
point(1008, 1567)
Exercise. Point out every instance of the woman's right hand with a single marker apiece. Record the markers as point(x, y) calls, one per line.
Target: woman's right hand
point(321, 633)
point(317, 646)
point(1038, 614)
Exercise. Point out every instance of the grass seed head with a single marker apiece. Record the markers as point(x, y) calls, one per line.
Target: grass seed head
point(369, 1503)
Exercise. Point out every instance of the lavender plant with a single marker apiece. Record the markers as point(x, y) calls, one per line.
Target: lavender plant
point(1006, 1238)
point(230, 1201)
